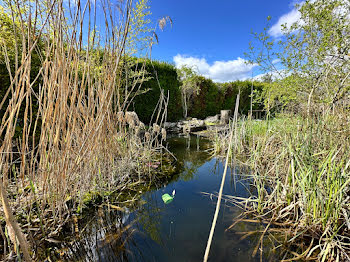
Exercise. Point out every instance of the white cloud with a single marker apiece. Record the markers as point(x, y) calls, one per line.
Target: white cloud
point(219, 71)
point(287, 19)
point(71, 3)
point(276, 61)
point(275, 75)
point(200, 64)
point(294, 16)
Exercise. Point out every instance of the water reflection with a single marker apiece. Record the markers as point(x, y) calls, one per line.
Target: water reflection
point(177, 231)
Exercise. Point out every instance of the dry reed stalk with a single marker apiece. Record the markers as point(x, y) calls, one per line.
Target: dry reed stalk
point(13, 226)
point(300, 169)
point(75, 143)
point(218, 203)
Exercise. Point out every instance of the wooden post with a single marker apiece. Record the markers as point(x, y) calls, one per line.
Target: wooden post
point(225, 116)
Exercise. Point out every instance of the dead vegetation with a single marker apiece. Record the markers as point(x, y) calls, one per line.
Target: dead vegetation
point(75, 139)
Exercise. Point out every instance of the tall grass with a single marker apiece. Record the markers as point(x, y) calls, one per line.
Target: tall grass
point(79, 140)
point(300, 168)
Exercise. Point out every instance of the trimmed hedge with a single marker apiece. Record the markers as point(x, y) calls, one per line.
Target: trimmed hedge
point(145, 103)
point(214, 97)
point(211, 98)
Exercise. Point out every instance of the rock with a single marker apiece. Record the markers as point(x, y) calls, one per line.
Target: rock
point(211, 120)
point(200, 123)
point(168, 125)
point(173, 128)
point(193, 125)
point(129, 118)
point(186, 126)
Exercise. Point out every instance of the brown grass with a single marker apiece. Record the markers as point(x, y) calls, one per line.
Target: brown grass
point(78, 141)
point(299, 168)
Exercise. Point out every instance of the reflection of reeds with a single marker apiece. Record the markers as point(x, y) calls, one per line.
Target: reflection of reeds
point(107, 236)
point(72, 142)
point(300, 169)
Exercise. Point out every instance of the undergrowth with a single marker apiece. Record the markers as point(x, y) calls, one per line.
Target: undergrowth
point(300, 171)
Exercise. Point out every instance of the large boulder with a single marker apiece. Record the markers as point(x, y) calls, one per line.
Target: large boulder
point(186, 126)
point(129, 118)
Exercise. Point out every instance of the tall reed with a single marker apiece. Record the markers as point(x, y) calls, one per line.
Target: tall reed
point(300, 170)
point(75, 137)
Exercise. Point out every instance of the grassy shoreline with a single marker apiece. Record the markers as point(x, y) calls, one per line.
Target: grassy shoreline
point(300, 168)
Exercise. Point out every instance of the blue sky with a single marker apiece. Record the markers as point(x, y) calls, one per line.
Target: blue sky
point(213, 35)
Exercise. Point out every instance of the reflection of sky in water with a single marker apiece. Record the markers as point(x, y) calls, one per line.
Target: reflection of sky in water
point(177, 231)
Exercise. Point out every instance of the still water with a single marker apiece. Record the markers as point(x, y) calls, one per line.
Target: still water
point(177, 231)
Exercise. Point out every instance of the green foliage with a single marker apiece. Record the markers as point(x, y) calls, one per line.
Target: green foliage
point(202, 97)
point(189, 86)
point(199, 96)
point(8, 58)
point(300, 168)
point(313, 53)
point(303, 158)
point(213, 97)
point(7, 42)
point(245, 88)
point(145, 103)
point(207, 101)
point(139, 37)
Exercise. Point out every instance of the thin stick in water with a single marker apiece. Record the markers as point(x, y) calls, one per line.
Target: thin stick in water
point(222, 184)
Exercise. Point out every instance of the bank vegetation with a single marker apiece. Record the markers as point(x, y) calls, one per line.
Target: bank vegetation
point(298, 156)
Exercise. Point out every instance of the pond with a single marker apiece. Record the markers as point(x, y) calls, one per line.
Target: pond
point(177, 231)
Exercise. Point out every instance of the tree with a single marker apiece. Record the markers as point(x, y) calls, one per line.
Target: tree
point(314, 55)
point(189, 85)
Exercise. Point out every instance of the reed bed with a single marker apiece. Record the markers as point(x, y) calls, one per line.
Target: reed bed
point(300, 172)
point(75, 139)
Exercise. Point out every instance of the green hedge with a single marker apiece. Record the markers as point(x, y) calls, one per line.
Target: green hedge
point(214, 97)
point(211, 98)
point(231, 90)
point(207, 101)
point(144, 104)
